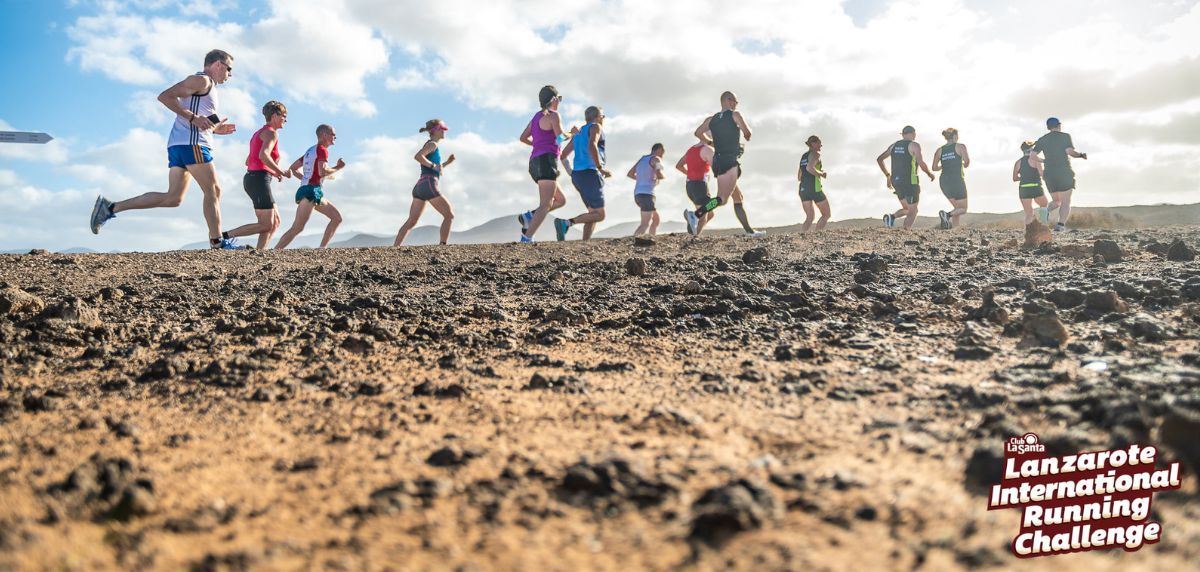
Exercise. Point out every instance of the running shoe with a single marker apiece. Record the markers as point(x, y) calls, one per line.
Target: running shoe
point(525, 219)
point(1043, 215)
point(101, 213)
point(692, 221)
point(945, 217)
point(526, 239)
point(561, 226)
point(756, 234)
point(1060, 227)
point(227, 244)
point(889, 220)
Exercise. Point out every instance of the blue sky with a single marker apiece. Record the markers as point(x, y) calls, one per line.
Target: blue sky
point(87, 71)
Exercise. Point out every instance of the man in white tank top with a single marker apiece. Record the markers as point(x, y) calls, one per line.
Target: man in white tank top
point(194, 101)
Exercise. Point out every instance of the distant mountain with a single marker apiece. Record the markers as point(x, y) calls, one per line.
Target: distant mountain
point(79, 250)
point(623, 229)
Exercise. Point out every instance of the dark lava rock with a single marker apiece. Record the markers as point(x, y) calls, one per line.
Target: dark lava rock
point(972, 353)
point(1066, 298)
point(872, 263)
point(1106, 301)
point(724, 511)
point(361, 345)
point(865, 277)
point(635, 266)
point(1108, 249)
point(787, 353)
point(1179, 431)
point(451, 456)
point(561, 384)
point(429, 389)
point(1146, 327)
point(984, 469)
point(755, 255)
point(108, 488)
point(71, 310)
point(1178, 252)
point(403, 495)
point(643, 241)
point(612, 482)
point(39, 403)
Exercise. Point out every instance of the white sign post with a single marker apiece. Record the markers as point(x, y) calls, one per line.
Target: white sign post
point(24, 137)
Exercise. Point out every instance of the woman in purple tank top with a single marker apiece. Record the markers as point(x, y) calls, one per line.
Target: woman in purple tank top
point(542, 134)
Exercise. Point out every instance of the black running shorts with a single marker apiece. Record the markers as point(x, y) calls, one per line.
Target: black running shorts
point(1059, 181)
point(721, 164)
point(909, 192)
point(954, 187)
point(644, 201)
point(258, 185)
point(697, 192)
point(544, 167)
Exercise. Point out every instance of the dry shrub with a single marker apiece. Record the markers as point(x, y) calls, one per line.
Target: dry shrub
point(1098, 219)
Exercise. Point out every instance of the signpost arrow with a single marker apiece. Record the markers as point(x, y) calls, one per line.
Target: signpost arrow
point(24, 137)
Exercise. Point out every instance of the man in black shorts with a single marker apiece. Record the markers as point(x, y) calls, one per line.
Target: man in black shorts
point(726, 130)
point(904, 179)
point(1060, 178)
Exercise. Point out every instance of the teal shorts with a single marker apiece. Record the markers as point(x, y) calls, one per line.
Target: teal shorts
point(314, 194)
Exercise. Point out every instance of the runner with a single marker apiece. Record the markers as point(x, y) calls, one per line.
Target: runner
point(951, 159)
point(194, 102)
point(904, 180)
point(542, 134)
point(726, 130)
point(811, 190)
point(310, 195)
point(426, 189)
point(1027, 173)
point(588, 173)
point(261, 165)
point(1060, 178)
point(695, 165)
point(647, 173)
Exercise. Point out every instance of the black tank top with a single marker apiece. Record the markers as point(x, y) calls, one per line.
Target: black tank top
point(727, 138)
point(806, 178)
point(1029, 174)
point(904, 165)
point(951, 161)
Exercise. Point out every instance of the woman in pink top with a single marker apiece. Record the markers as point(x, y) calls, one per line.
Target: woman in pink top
point(542, 134)
point(261, 165)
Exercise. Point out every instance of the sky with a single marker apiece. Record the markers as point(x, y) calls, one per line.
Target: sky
point(1124, 77)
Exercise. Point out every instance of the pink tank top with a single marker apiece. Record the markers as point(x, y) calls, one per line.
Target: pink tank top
point(253, 163)
point(544, 140)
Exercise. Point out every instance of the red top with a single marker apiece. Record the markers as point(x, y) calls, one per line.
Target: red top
point(253, 163)
point(697, 167)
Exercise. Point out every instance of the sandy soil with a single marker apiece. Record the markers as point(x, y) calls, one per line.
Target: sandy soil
point(792, 402)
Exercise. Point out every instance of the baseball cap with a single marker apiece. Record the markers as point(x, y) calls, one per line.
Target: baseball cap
point(908, 129)
point(1053, 122)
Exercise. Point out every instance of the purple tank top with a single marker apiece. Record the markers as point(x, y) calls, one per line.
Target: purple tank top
point(544, 140)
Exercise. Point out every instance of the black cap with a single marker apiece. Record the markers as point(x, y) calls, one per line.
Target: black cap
point(908, 129)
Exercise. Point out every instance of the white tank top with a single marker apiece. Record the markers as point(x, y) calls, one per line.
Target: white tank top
point(205, 105)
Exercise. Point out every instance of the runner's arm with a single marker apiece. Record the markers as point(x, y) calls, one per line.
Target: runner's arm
point(632, 174)
point(426, 149)
point(556, 123)
point(937, 162)
point(880, 159)
point(1017, 171)
point(449, 160)
point(296, 166)
point(681, 166)
point(594, 145)
point(813, 159)
point(191, 86)
point(567, 150)
point(1076, 154)
point(269, 139)
point(656, 164)
point(325, 170)
point(527, 135)
point(966, 156)
point(702, 131)
point(741, 123)
point(915, 149)
point(800, 172)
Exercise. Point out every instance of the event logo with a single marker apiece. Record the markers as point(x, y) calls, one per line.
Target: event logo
point(1088, 501)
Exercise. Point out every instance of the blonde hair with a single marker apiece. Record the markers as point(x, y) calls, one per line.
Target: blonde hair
point(430, 125)
point(950, 133)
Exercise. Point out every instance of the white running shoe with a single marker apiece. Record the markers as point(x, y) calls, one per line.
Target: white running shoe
point(756, 234)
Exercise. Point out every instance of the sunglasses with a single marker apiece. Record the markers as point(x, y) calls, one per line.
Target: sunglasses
point(228, 67)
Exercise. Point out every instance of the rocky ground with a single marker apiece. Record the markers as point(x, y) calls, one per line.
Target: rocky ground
point(828, 402)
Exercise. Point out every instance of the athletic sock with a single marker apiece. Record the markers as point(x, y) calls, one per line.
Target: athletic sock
point(214, 241)
point(740, 211)
point(709, 206)
point(225, 235)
